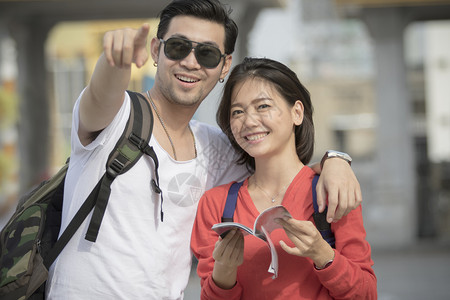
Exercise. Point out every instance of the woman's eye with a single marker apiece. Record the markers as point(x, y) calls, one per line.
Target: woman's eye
point(236, 112)
point(263, 106)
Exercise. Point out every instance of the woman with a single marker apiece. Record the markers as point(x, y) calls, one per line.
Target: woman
point(267, 115)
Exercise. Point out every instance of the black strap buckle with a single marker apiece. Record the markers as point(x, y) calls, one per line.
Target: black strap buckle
point(136, 140)
point(115, 168)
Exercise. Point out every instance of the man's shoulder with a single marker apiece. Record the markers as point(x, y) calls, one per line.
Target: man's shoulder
point(204, 127)
point(208, 132)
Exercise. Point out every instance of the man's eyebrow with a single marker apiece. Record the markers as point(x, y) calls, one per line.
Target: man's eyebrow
point(177, 35)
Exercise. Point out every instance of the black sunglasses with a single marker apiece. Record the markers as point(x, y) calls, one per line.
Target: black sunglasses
point(207, 56)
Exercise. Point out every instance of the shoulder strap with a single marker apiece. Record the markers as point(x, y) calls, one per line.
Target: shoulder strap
point(230, 204)
point(132, 144)
point(314, 193)
point(146, 120)
point(127, 151)
point(320, 219)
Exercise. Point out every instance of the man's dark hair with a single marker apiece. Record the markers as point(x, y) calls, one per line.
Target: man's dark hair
point(287, 84)
point(211, 10)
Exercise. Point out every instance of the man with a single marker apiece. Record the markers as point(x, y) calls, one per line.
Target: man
point(137, 255)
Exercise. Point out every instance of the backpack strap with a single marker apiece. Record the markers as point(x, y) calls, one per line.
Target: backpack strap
point(230, 204)
point(126, 153)
point(320, 219)
point(129, 148)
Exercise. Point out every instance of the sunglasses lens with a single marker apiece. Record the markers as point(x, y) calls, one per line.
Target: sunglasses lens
point(177, 48)
point(206, 55)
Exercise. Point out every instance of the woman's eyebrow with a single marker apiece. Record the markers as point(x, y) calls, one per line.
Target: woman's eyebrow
point(253, 101)
point(235, 105)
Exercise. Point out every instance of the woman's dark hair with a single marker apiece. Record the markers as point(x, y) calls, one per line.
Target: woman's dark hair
point(290, 88)
point(211, 10)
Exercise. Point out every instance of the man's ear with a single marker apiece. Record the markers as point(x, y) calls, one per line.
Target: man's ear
point(297, 113)
point(155, 45)
point(226, 66)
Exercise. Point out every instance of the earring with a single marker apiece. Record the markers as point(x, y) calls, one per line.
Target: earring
point(221, 80)
point(155, 64)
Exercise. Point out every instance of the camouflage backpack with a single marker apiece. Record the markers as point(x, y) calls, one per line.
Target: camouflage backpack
point(29, 242)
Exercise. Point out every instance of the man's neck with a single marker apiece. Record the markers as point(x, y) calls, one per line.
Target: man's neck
point(171, 128)
point(175, 116)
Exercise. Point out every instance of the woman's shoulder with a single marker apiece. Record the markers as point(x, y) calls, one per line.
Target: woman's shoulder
point(219, 190)
point(306, 174)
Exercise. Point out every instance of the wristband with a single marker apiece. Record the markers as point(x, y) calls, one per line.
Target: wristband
point(326, 265)
point(333, 153)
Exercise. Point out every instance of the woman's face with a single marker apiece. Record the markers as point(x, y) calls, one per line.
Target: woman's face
point(261, 120)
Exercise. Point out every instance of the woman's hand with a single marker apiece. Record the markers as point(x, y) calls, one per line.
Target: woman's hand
point(307, 240)
point(228, 255)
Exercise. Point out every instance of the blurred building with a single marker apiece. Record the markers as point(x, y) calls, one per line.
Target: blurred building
point(377, 72)
point(408, 190)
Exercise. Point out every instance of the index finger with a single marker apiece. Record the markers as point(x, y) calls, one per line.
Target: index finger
point(107, 47)
point(291, 225)
point(141, 35)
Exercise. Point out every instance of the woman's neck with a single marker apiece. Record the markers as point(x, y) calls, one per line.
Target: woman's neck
point(275, 173)
point(271, 180)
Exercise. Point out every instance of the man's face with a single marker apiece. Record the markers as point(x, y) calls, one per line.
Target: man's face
point(185, 81)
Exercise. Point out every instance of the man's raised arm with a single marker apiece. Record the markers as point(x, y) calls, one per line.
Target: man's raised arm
point(105, 92)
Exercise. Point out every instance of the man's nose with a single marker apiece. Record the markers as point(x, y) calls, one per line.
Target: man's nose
point(190, 61)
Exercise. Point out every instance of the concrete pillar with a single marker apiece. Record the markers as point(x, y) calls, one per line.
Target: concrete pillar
point(34, 142)
point(392, 220)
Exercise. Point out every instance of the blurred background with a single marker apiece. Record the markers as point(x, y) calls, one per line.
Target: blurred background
point(379, 76)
